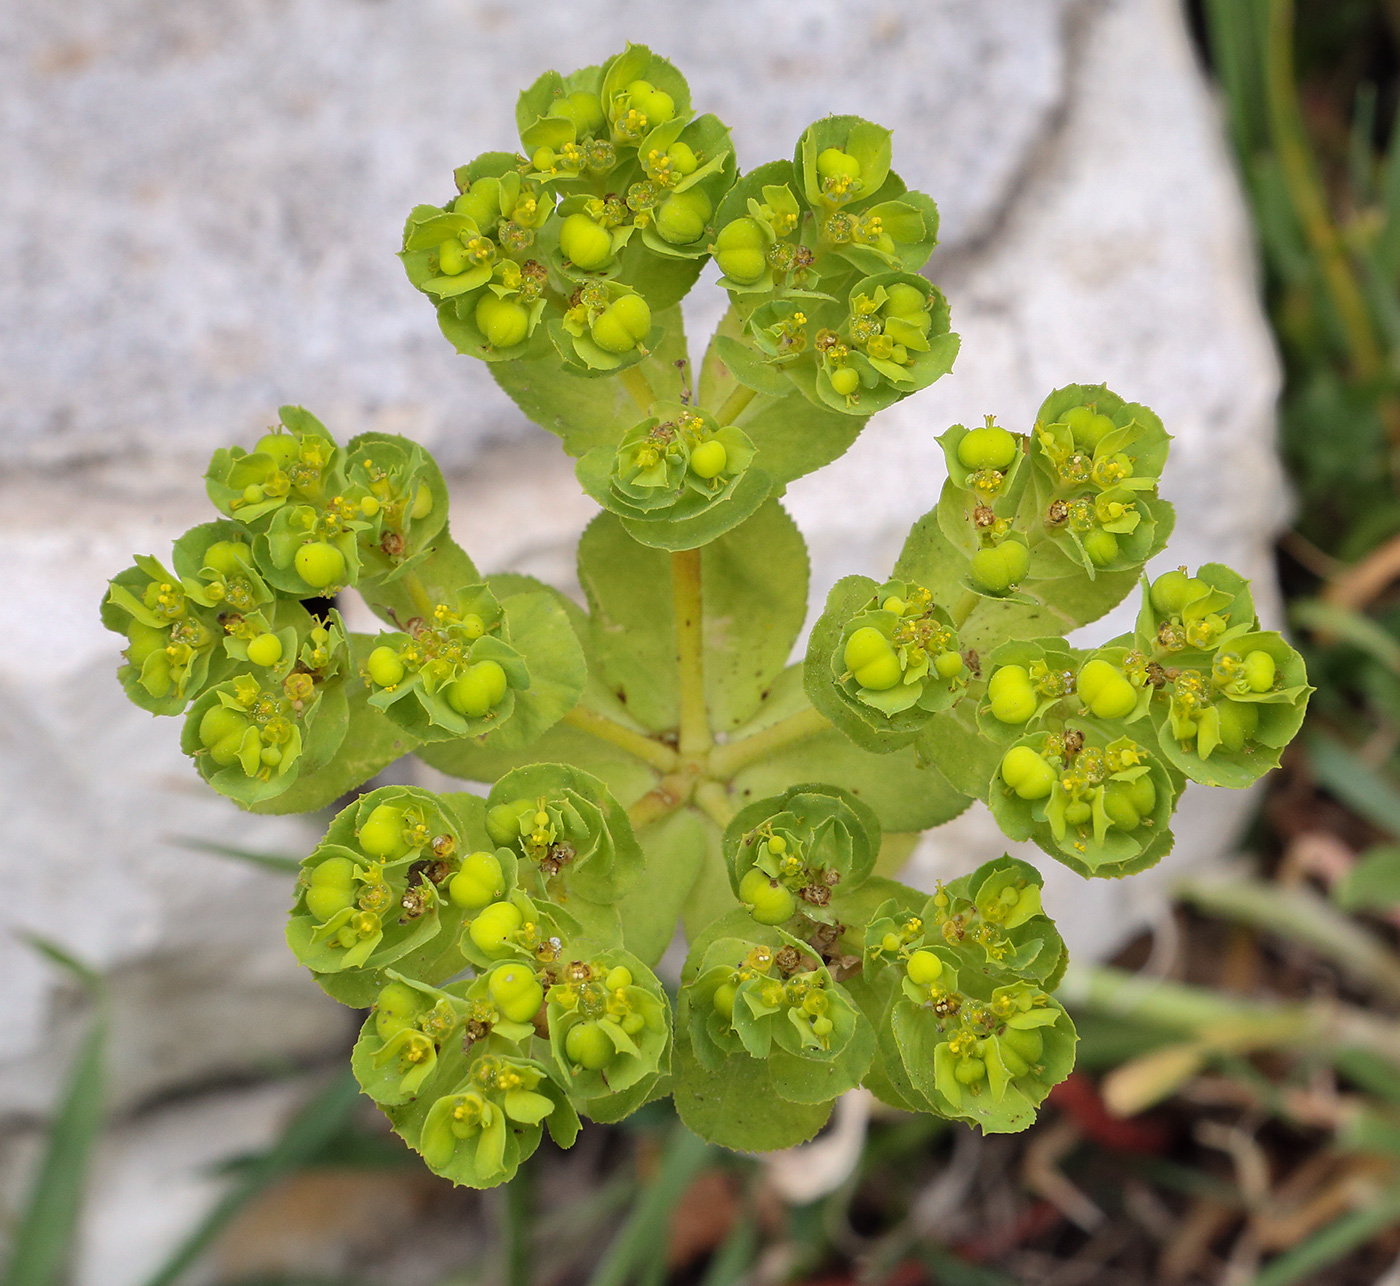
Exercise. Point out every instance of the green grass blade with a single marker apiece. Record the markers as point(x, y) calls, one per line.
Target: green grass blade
point(1331, 1243)
point(1236, 44)
point(1355, 782)
point(47, 1234)
point(735, 1256)
point(278, 862)
point(1350, 626)
point(686, 1154)
point(309, 1131)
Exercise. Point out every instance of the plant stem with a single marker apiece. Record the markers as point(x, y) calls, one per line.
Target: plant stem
point(418, 592)
point(662, 800)
point(637, 384)
point(714, 802)
point(519, 1203)
point(656, 753)
point(695, 736)
point(964, 608)
point(727, 760)
point(734, 405)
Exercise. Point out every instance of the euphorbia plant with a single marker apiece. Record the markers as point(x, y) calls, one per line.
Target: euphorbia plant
point(655, 761)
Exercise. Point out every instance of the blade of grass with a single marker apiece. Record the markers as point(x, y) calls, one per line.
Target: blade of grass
point(1348, 625)
point(685, 1156)
point(735, 1255)
point(1236, 41)
point(278, 862)
point(48, 1231)
point(1355, 782)
point(308, 1132)
point(1331, 1243)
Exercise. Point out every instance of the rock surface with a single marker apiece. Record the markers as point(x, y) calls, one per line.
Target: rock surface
point(200, 224)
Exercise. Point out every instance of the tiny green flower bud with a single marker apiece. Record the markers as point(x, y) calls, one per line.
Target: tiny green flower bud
point(1078, 811)
point(739, 250)
point(587, 1046)
point(924, 968)
point(1171, 591)
point(1106, 690)
point(382, 834)
point(619, 976)
point(1027, 773)
point(987, 448)
point(516, 991)
point(265, 650)
point(969, 1071)
point(385, 666)
point(586, 243)
point(503, 322)
point(724, 999)
point(1238, 721)
point(1259, 671)
point(708, 459)
point(833, 163)
point(769, 901)
point(1012, 698)
point(478, 883)
point(395, 1008)
point(320, 564)
point(331, 888)
point(478, 690)
point(948, 664)
point(253, 494)
point(625, 321)
point(681, 217)
point(490, 929)
point(845, 380)
point(999, 567)
point(655, 104)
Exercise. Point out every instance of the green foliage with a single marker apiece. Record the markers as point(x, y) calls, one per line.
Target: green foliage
point(654, 762)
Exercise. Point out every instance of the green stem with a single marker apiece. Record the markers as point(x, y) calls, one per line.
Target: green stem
point(656, 753)
point(519, 1202)
point(661, 801)
point(734, 405)
point(964, 608)
point(636, 383)
point(728, 760)
point(418, 592)
point(695, 738)
point(1329, 1244)
point(713, 800)
point(1305, 191)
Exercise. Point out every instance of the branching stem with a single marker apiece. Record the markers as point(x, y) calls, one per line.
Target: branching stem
point(637, 384)
point(964, 607)
point(725, 761)
point(734, 404)
point(695, 736)
point(713, 800)
point(418, 592)
point(661, 801)
point(656, 753)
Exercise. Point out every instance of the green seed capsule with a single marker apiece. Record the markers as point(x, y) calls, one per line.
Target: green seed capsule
point(265, 650)
point(1000, 567)
point(587, 244)
point(1027, 773)
point(542, 158)
point(1238, 722)
point(867, 644)
point(320, 564)
point(968, 1071)
point(143, 640)
point(1028, 1042)
point(282, 447)
point(681, 218)
point(1078, 811)
point(948, 664)
point(626, 321)
point(385, 667)
point(708, 459)
point(452, 257)
point(924, 968)
point(331, 888)
point(503, 821)
point(832, 163)
point(724, 999)
point(881, 674)
point(1259, 671)
point(844, 380)
point(382, 834)
point(229, 750)
point(1101, 546)
point(502, 322)
point(582, 108)
point(479, 882)
point(1106, 690)
point(422, 502)
point(619, 976)
point(1011, 696)
point(769, 901)
point(480, 689)
point(655, 104)
point(493, 926)
point(904, 300)
point(219, 722)
point(516, 991)
point(1118, 804)
point(1171, 591)
point(739, 251)
point(683, 159)
point(395, 1008)
point(588, 1046)
point(987, 448)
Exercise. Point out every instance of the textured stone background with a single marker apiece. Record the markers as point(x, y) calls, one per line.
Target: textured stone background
point(199, 216)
